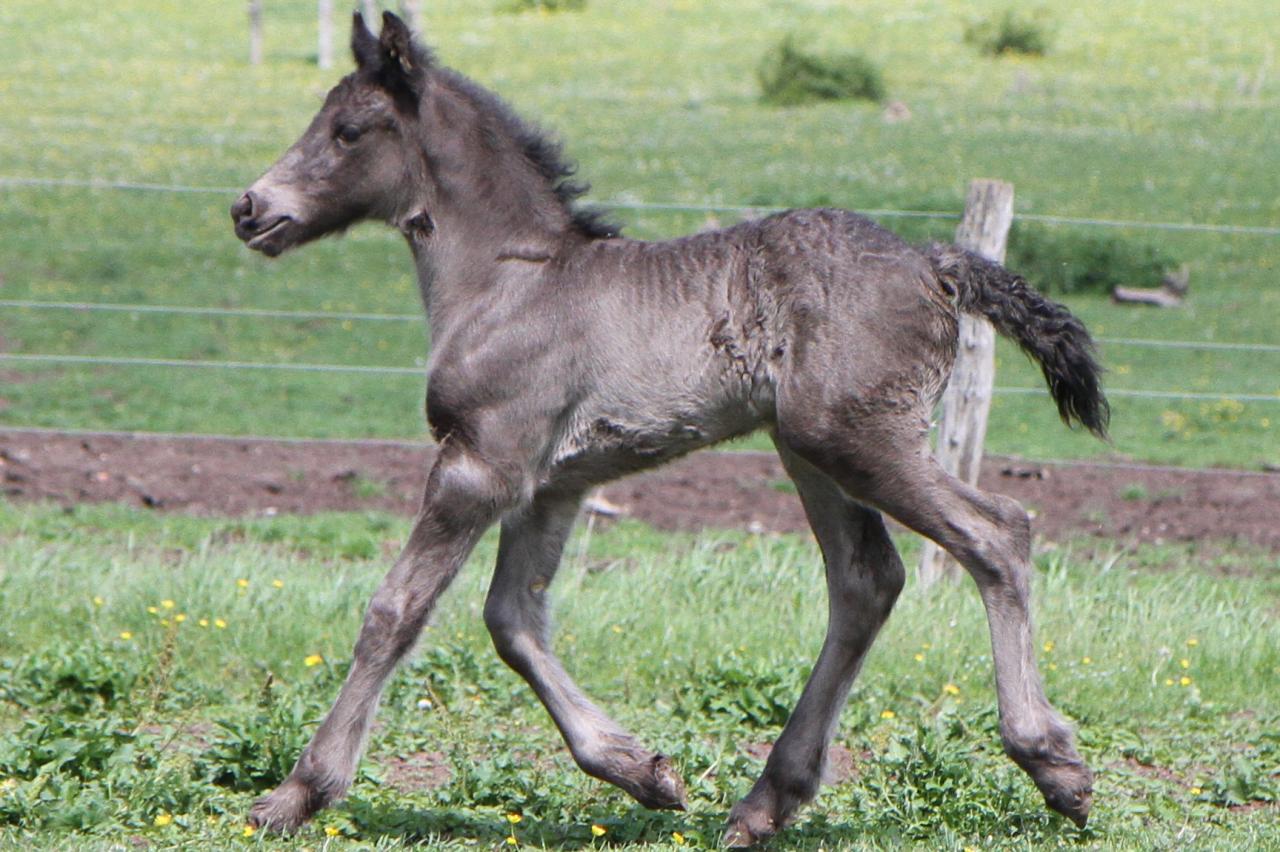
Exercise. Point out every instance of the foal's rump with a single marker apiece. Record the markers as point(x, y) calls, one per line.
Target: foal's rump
point(871, 324)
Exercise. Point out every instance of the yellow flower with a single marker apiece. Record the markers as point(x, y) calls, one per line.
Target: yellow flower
point(1192, 642)
point(242, 583)
point(1087, 661)
point(220, 624)
point(511, 840)
point(951, 689)
point(331, 830)
point(1053, 667)
point(204, 622)
point(1184, 680)
point(164, 622)
point(919, 658)
point(616, 628)
point(313, 660)
point(126, 635)
point(152, 610)
point(887, 714)
point(1196, 791)
point(98, 601)
point(926, 645)
point(279, 584)
point(248, 831)
point(514, 818)
point(167, 604)
point(1049, 646)
point(1185, 663)
point(180, 617)
point(677, 838)
point(1168, 681)
point(598, 830)
point(162, 820)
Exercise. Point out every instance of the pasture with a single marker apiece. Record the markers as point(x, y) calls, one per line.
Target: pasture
point(158, 671)
point(162, 667)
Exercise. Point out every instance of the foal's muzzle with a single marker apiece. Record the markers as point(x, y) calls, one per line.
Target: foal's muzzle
point(260, 229)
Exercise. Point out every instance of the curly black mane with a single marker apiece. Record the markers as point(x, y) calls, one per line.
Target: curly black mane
point(544, 152)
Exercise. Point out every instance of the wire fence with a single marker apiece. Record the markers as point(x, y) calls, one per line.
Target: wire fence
point(350, 316)
point(623, 204)
point(374, 369)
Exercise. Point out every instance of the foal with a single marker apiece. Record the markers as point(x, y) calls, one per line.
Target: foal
point(564, 355)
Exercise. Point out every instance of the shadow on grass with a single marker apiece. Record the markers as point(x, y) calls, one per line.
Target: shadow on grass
point(381, 821)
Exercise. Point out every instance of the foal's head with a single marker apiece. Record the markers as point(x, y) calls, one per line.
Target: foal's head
point(416, 145)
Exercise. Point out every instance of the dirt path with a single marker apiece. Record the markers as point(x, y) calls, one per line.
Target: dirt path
point(726, 490)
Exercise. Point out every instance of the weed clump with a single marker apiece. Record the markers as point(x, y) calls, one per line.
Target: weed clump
point(790, 76)
point(1061, 262)
point(1012, 32)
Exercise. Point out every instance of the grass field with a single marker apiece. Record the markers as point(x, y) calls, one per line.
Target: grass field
point(1152, 112)
point(157, 673)
point(192, 657)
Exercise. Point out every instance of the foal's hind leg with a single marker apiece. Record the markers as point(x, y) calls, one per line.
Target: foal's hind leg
point(516, 613)
point(864, 576)
point(884, 462)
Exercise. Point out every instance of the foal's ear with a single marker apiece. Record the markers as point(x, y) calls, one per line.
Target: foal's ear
point(364, 44)
point(398, 47)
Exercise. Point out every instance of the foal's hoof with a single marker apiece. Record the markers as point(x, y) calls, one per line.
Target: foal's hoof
point(288, 807)
point(747, 828)
point(663, 790)
point(1068, 789)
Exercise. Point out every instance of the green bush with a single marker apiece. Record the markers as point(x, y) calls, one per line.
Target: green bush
point(545, 5)
point(789, 76)
point(1012, 32)
point(1057, 261)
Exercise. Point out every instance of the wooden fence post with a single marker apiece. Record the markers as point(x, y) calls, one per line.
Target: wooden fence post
point(255, 32)
point(324, 47)
point(988, 213)
point(412, 11)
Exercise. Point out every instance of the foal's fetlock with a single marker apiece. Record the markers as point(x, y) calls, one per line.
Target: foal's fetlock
point(1067, 788)
point(656, 784)
point(1058, 771)
point(651, 779)
point(763, 812)
point(753, 820)
point(287, 807)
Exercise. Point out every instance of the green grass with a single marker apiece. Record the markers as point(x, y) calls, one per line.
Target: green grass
point(100, 734)
point(1146, 113)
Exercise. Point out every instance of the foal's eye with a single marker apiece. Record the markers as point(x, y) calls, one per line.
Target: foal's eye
point(348, 134)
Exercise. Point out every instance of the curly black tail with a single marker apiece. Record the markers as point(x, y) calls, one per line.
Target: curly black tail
point(1045, 330)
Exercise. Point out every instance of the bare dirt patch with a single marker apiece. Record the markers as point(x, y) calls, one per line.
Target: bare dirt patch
point(423, 770)
point(222, 477)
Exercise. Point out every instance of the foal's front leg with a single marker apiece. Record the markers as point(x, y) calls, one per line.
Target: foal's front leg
point(463, 497)
point(529, 552)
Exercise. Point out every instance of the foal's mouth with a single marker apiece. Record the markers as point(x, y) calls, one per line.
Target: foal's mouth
point(265, 239)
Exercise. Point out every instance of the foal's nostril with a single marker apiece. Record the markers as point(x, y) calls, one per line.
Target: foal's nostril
point(243, 207)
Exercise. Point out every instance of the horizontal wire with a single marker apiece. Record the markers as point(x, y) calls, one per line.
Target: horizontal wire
point(112, 361)
point(426, 442)
point(1132, 393)
point(420, 371)
point(197, 310)
point(1255, 230)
